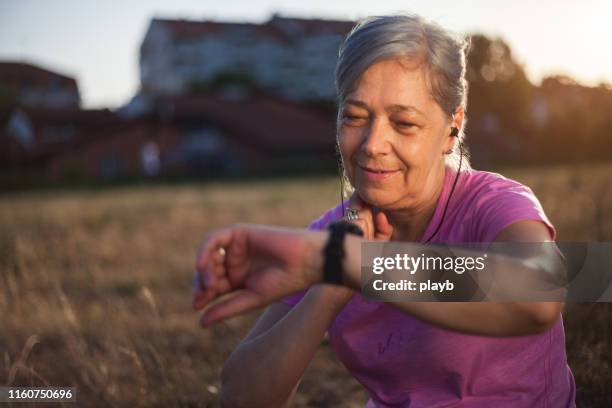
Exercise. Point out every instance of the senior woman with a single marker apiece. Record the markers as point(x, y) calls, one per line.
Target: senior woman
point(402, 97)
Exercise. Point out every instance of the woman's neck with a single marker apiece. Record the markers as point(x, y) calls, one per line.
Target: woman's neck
point(410, 223)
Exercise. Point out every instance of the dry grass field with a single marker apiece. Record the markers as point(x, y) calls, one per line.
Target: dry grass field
point(95, 287)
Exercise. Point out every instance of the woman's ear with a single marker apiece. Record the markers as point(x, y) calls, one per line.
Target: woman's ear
point(456, 122)
point(458, 118)
point(449, 143)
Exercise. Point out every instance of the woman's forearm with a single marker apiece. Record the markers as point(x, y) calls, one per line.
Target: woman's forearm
point(486, 318)
point(264, 370)
point(483, 318)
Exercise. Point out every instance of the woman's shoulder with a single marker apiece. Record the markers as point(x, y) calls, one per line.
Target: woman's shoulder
point(487, 181)
point(497, 201)
point(481, 187)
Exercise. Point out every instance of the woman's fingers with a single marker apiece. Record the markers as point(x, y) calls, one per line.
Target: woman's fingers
point(202, 297)
point(383, 229)
point(373, 222)
point(211, 256)
point(213, 243)
point(364, 225)
point(230, 306)
point(210, 268)
point(205, 295)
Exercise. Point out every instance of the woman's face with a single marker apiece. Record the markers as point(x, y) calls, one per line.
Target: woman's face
point(393, 136)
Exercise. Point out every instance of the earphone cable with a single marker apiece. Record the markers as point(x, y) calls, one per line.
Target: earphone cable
point(449, 195)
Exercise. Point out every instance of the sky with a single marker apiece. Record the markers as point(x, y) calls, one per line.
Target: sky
point(97, 42)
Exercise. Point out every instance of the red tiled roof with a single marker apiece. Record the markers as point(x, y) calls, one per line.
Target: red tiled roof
point(315, 26)
point(277, 28)
point(264, 122)
point(21, 73)
point(185, 29)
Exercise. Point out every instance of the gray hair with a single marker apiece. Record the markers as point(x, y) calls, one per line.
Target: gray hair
point(406, 35)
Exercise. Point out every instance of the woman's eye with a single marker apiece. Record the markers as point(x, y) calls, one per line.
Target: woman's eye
point(405, 125)
point(353, 119)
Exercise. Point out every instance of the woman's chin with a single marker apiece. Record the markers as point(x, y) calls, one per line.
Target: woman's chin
point(375, 197)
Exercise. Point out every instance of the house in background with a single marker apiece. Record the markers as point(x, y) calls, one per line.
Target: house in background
point(289, 57)
point(216, 98)
point(205, 136)
point(40, 117)
point(30, 136)
point(34, 86)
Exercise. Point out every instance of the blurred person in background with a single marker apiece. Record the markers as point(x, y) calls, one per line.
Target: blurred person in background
point(402, 98)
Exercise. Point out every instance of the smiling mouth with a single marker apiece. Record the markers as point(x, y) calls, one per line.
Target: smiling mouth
point(377, 171)
point(373, 175)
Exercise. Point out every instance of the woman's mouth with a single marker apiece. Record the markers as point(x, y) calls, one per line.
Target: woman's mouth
point(376, 174)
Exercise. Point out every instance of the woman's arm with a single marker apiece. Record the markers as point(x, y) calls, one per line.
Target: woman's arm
point(265, 264)
point(483, 318)
point(265, 369)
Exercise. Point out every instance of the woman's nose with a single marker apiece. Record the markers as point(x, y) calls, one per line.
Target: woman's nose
point(375, 141)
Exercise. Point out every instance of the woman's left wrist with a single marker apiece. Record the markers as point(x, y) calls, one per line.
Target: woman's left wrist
point(314, 259)
point(335, 253)
point(317, 250)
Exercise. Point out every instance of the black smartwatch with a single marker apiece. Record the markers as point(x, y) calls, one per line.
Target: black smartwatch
point(333, 253)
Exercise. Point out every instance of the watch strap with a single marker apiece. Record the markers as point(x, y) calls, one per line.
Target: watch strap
point(333, 252)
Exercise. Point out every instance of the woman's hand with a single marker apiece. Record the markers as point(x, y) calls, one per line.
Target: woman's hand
point(373, 222)
point(260, 264)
